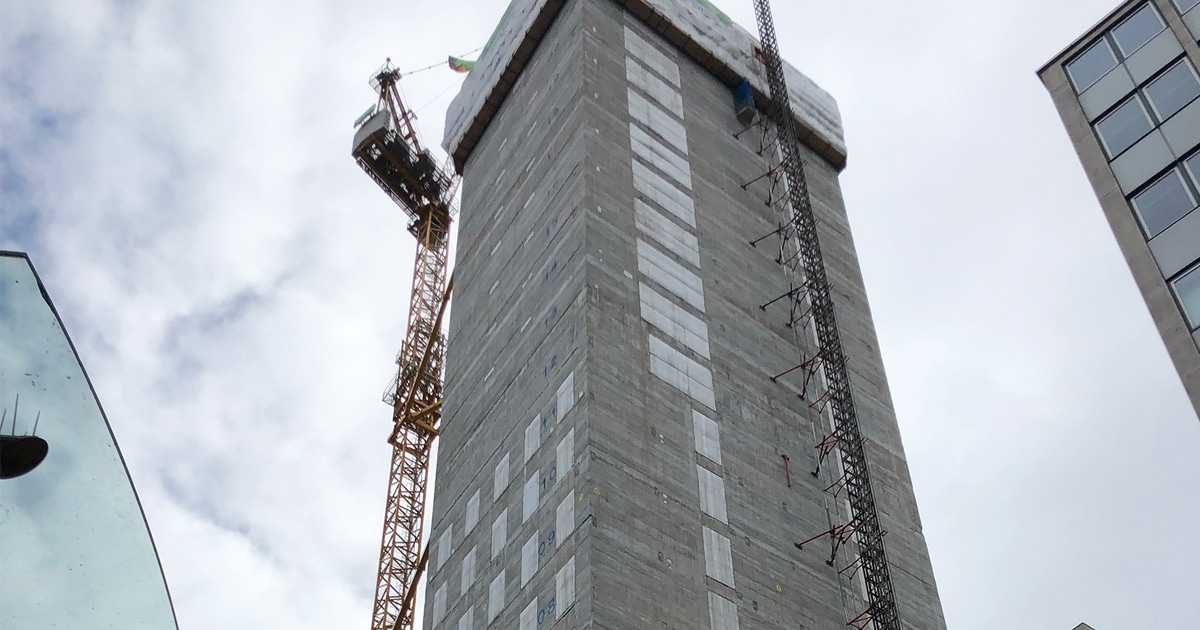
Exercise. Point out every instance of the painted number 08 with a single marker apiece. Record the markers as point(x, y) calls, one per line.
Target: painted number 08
point(547, 612)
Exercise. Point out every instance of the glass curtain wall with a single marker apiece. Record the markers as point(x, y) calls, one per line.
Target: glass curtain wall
point(75, 551)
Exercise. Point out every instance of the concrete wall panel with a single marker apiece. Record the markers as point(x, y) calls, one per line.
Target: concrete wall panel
point(1153, 56)
point(1106, 92)
point(1142, 161)
point(1182, 131)
point(1192, 20)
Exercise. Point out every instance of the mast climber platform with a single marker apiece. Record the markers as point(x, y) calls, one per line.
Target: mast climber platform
point(387, 147)
point(864, 527)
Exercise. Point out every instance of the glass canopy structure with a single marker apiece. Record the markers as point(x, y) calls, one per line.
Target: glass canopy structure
point(75, 550)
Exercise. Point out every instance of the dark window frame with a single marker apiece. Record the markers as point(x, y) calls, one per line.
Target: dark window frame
point(1179, 6)
point(1125, 20)
point(1080, 89)
point(1194, 172)
point(1188, 187)
point(1191, 320)
point(1118, 54)
point(1148, 107)
point(1144, 89)
point(1135, 97)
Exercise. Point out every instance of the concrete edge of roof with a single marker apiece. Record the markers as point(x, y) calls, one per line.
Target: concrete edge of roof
point(460, 148)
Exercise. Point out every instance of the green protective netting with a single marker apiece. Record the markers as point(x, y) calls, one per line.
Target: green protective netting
point(720, 15)
point(495, 32)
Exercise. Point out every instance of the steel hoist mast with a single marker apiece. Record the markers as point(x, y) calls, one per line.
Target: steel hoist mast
point(386, 146)
point(864, 527)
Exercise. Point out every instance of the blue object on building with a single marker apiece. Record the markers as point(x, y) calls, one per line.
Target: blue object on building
point(743, 102)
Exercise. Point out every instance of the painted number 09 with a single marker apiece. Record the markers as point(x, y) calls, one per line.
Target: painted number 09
point(547, 612)
point(543, 545)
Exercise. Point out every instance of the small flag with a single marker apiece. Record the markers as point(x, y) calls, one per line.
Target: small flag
point(461, 65)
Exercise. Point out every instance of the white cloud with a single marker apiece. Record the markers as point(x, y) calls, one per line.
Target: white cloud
point(181, 176)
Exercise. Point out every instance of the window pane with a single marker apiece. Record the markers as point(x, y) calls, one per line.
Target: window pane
point(1137, 29)
point(1163, 203)
point(1193, 164)
point(1094, 63)
point(1123, 127)
point(1185, 5)
point(1174, 89)
point(1187, 288)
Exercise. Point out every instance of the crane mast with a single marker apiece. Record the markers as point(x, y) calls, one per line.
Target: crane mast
point(388, 149)
point(864, 525)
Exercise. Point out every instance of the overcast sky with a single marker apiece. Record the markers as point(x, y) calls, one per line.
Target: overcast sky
point(180, 175)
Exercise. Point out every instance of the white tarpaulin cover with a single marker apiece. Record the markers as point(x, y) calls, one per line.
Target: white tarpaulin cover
point(814, 108)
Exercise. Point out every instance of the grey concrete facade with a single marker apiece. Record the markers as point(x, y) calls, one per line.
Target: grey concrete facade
point(613, 449)
point(1149, 190)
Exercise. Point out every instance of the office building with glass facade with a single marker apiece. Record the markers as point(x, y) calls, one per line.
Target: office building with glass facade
point(1129, 94)
point(75, 551)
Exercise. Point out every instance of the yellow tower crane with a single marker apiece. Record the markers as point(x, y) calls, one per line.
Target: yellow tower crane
point(387, 147)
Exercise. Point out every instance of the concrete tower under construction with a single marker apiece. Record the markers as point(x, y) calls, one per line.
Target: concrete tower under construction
point(637, 427)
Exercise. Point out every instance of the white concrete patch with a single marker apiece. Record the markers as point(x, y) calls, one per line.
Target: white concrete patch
point(718, 558)
point(529, 559)
point(468, 571)
point(656, 154)
point(496, 597)
point(670, 275)
point(529, 616)
point(666, 232)
point(645, 52)
point(501, 480)
point(533, 438)
point(653, 86)
point(712, 494)
point(722, 613)
point(445, 545)
point(564, 520)
point(566, 396)
point(681, 372)
point(529, 497)
point(472, 517)
point(665, 194)
point(439, 603)
point(657, 120)
point(565, 455)
point(708, 436)
point(499, 533)
point(564, 588)
point(673, 320)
